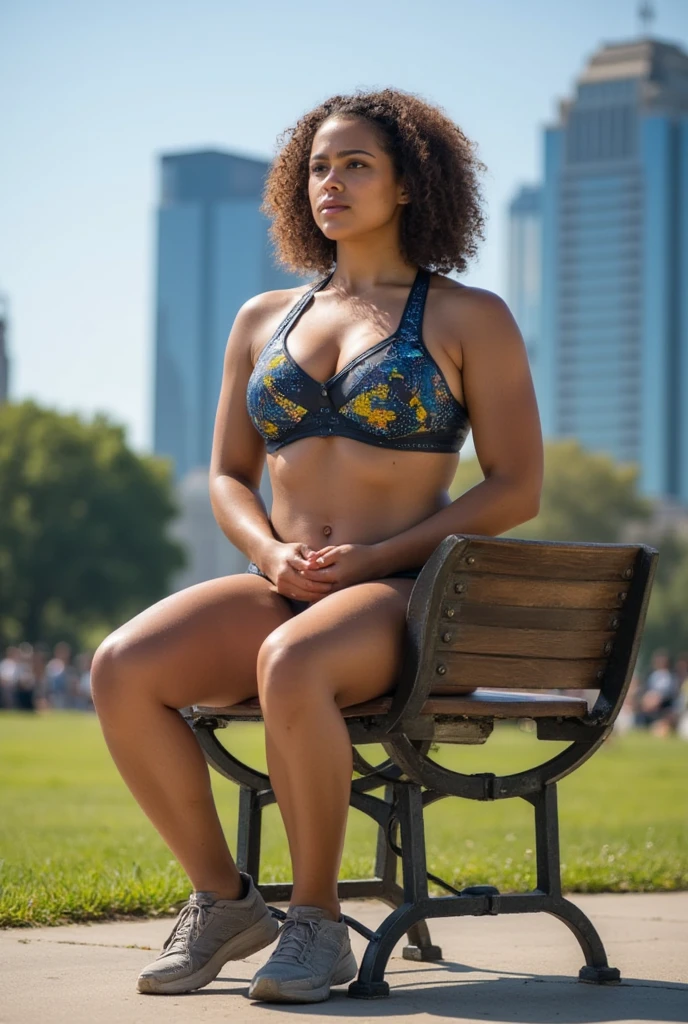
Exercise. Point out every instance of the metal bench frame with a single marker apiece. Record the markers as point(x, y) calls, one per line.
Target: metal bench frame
point(412, 780)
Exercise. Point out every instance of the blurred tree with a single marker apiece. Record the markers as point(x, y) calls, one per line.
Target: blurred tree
point(585, 495)
point(82, 525)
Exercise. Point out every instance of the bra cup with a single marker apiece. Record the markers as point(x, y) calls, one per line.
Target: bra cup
point(401, 395)
point(393, 396)
point(271, 383)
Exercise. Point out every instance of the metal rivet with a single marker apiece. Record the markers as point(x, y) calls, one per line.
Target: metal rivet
point(470, 560)
point(446, 637)
point(459, 587)
point(627, 574)
point(441, 669)
point(608, 647)
point(614, 624)
point(622, 596)
point(600, 674)
point(449, 612)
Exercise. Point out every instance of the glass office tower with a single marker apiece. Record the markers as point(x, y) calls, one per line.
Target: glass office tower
point(524, 287)
point(213, 254)
point(612, 364)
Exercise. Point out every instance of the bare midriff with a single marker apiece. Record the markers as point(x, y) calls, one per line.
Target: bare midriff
point(333, 490)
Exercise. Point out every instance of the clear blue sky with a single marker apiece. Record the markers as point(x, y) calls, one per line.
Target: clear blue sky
point(93, 92)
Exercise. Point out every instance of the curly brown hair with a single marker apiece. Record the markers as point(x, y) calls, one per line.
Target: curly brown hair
point(439, 227)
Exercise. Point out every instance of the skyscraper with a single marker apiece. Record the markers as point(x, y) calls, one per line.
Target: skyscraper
point(612, 362)
point(213, 254)
point(524, 286)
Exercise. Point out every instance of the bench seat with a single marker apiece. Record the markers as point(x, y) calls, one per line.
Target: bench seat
point(487, 703)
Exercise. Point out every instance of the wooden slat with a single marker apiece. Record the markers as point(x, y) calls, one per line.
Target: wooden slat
point(523, 643)
point(499, 616)
point(535, 593)
point(496, 672)
point(493, 703)
point(247, 709)
point(555, 562)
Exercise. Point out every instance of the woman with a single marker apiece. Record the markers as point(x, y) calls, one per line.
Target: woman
point(361, 424)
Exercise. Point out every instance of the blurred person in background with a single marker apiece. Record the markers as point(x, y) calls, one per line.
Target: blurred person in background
point(681, 671)
point(39, 663)
point(626, 718)
point(82, 694)
point(29, 663)
point(60, 676)
point(659, 695)
point(9, 676)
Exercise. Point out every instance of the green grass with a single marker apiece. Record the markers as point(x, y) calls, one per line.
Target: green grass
point(74, 846)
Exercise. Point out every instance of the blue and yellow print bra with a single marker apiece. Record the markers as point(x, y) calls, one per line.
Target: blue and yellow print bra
point(393, 395)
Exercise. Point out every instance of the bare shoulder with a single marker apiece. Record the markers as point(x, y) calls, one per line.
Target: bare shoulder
point(258, 317)
point(473, 316)
point(273, 301)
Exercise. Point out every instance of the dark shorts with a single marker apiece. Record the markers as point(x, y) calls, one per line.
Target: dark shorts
point(300, 606)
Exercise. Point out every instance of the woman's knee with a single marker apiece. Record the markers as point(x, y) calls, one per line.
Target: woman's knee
point(115, 671)
point(287, 676)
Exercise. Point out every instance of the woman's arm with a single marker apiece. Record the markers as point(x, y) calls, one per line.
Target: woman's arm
point(499, 396)
point(238, 453)
point(238, 457)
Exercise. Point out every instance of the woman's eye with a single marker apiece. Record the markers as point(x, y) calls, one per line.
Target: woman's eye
point(319, 167)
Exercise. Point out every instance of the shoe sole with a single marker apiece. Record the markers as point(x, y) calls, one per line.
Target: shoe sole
point(268, 990)
point(251, 940)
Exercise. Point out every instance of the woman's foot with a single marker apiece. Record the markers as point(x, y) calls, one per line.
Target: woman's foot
point(208, 933)
point(313, 953)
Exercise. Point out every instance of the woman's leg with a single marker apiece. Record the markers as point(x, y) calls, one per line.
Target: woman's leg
point(198, 646)
point(343, 650)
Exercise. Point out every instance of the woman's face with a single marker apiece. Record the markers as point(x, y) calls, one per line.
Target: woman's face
point(348, 166)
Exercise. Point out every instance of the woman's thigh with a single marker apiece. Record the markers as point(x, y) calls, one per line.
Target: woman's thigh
point(349, 643)
point(199, 645)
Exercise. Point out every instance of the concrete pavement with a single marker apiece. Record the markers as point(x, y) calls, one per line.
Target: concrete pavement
point(506, 969)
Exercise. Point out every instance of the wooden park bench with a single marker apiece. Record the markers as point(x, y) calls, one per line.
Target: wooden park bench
point(516, 619)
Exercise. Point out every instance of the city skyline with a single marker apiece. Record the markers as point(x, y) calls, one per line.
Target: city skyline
point(213, 253)
point(599, 262)
point(77, 211)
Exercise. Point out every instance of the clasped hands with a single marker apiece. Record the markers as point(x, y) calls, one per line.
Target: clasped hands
point(299, 572)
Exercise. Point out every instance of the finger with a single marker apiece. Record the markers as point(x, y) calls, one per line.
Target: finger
point(319, 573)
point(324, 551)
point(309, 580)
point(299, 562)
point(327, 557)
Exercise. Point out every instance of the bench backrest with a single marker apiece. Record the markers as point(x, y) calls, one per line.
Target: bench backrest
point(502, 613)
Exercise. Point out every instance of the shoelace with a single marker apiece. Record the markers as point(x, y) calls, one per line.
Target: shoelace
point(192, 920)
point(295, 938)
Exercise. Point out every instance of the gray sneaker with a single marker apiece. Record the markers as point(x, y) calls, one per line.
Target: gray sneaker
point(312, 954)
point(205, 936)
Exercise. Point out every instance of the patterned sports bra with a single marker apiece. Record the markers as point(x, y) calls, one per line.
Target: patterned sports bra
point(393, 395)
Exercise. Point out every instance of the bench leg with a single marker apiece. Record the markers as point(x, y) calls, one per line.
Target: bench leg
point(412, 829)
point(597, 970)
point(248, 832)
point(420, 946)
point(370, 983)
